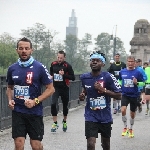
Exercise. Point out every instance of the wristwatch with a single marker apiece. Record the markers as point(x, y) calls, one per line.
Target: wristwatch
point(36, 101)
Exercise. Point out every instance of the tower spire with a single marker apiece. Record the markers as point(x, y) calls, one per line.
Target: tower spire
point(72, 27)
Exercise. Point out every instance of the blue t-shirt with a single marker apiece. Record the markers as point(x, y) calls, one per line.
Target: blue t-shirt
point(98, 107)
point(128, 87)
point(28, 82)
point(144, 76)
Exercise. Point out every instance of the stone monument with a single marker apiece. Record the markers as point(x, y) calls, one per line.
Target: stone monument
point(140, 43)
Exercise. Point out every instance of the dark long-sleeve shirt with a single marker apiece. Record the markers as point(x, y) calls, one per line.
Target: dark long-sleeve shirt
point(58, 80)
point(116, 67)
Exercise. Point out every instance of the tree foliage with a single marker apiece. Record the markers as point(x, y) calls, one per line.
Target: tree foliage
point(77, 52)
point(45, 48)
point(42, 40)
point(103, 45)
point(8, 52)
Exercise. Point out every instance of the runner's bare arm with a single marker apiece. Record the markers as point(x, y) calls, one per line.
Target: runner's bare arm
point(9, 92)
point(112, 94)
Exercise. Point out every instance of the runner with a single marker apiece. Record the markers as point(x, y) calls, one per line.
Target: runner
point(99, 87)
point(146, 96)
point(140, 88)
point(25, 79)
point(145, 64)
point(115, 69)
point(62, 72)
point(130, 78)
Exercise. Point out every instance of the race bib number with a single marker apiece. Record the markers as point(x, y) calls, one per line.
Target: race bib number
point(98, 103)
point(128, 83)
point(21, 92)
point(116, 73)
point(58, 77)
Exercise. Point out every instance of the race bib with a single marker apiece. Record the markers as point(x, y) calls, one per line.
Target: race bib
point(58, 77)
point(128, 83)
point(116, 73)
point(21, 92)
point(98, 103)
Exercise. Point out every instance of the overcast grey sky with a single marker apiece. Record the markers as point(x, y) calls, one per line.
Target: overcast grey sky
point(94, 16)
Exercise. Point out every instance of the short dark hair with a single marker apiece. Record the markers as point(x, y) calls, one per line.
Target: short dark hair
point(99, 52)
point(138, 60)
point(24, 39)
point(117, 54)
point(62, 52)
point(145, 63)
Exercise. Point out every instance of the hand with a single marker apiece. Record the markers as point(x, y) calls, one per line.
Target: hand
point(82, 96)
point(135, 80)
point(11, 104)
point(29, 103)
point(61, 72)
point(98, 87)
point(51, 77)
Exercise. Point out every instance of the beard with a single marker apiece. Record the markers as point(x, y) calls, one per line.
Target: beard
point(96, 70)
point(22, 59)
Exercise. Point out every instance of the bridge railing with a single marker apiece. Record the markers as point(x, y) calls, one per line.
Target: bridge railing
point(5, 112)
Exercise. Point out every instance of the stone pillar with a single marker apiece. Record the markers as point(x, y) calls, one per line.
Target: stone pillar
point(140, 43)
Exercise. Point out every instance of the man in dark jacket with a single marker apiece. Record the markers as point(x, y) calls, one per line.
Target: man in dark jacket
point(115, 69)
point(62, 72)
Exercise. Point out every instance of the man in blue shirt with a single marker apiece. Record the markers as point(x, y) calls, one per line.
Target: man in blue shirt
point(130, 78)
point(25, 79)
point(99, 87)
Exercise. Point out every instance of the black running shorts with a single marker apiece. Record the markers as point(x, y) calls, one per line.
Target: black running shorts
point(23, 124)
point(132, 100)
point(63, 92)
point(93, 128)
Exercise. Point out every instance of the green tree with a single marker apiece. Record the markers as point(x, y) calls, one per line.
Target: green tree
point(42, 39)
point(77, 52)
point(8, 53)
point(84, 51)
point(103, 45)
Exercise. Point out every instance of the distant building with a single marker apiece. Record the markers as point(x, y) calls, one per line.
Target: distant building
point(140, 43)
point(72, 29)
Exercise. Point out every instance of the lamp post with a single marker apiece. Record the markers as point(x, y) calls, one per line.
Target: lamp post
point(113, 38)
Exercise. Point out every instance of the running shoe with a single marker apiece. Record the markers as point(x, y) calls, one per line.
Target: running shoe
point(147, 110)
point(115, 111)
point(131, 134)
point(64, 126)
point(125, 131)
point(54, 127)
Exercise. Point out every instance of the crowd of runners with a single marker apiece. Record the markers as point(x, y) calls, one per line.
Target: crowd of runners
point(134, 78)
point(125, 83)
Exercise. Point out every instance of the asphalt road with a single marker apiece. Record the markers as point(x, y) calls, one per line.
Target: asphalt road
point(74, 138)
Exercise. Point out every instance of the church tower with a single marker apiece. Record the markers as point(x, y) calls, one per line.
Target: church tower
point(72, 29)
point(140, 43)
